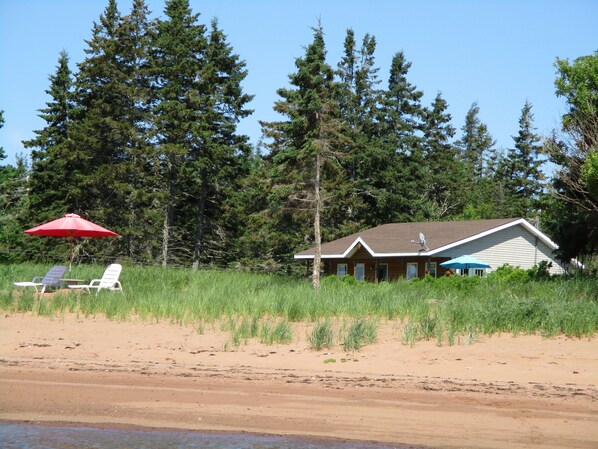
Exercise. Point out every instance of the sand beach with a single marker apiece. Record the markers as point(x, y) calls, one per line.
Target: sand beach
point(494, 392)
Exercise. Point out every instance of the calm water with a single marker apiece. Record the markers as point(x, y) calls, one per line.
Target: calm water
point(25, 436)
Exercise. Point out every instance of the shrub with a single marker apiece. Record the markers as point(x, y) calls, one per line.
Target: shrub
point(541, 271)
point(509, 274)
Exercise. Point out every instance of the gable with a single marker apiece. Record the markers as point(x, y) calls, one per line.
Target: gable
point(514, 245)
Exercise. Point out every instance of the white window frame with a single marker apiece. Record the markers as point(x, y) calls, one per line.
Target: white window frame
point(480, 272)
point(407, 270)
point(362, 266)
point(432, 264)
point(338, 269)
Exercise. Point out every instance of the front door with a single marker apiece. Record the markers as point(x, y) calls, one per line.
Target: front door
point(382, 272)
point(360, 272)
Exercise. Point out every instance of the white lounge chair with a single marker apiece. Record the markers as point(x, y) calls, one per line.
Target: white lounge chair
point(109, 280)
point(51, 279)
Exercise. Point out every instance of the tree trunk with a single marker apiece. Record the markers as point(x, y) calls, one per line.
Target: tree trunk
point(199, 229)
point(166, 235)
point(317, 236)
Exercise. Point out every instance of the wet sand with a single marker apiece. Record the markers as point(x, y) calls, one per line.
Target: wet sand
point(499, 391)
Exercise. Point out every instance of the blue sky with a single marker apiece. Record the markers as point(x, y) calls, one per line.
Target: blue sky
point(498, 53)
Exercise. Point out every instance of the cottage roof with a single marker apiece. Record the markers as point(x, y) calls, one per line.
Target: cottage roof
point(402, 239)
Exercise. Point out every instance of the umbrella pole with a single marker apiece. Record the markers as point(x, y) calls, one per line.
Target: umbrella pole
point(70, 253)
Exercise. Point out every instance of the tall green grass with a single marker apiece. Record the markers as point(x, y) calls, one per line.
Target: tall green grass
point(322, 336)
point(438, 309)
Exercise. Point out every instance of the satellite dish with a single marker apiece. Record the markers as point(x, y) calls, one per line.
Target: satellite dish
point(422, 241)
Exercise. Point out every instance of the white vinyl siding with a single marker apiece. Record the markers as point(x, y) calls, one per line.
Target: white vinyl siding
point(514, 245)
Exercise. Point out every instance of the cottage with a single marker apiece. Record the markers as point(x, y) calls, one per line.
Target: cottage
point(409, 250)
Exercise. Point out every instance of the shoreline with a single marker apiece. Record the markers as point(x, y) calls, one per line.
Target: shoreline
point(500, 391)
point(305, 439)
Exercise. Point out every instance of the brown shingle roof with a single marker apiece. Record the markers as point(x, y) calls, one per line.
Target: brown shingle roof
point(395, 238)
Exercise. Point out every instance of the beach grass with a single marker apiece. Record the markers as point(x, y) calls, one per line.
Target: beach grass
point(265, 306)
point(322, 336)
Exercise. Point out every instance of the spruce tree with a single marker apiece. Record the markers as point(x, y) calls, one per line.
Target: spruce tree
point(445, 171)
point(483, 191)
point(178, 60)
point(218, 153)
point(306, 145)
point(401, 130)
point(97, 144)
point(475, 144)
point(358, 101)
point(13, 207)
point(51, 186)
point(139, 180)
point(110, 132)
point(521, 168)
point(15, 247)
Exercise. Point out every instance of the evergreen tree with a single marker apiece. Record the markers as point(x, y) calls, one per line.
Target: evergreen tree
point(483, 191)
point(401, 131)
point(445, 171)
point(218, 154)
point(13, 206)
point(246, 213)
point(305, 146)
point(51, 177)
point(358, 101)
point(110, 139)
point(199, 101)
point(13, 210)
point(98, 144)
point(403, 106)
point(475, 145)
point(521, 168)
point(139, 180)
point(178, 60)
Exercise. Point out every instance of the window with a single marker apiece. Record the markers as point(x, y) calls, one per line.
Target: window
point(341, 269)
point(382, 272)
point(480, 272)
point(411, 270)
point(431, 269)
point(360, 272)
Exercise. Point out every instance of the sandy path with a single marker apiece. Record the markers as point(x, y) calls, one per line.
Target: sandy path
point(498, 392)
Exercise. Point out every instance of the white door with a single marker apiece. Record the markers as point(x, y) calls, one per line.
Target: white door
point(360, 272)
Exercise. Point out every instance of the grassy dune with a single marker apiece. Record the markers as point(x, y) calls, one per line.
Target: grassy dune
point(263, 306)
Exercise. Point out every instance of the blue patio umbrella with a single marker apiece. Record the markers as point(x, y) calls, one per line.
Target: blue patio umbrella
point(464, 262)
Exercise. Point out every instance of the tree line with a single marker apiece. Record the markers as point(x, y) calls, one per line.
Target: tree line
point(143, 139)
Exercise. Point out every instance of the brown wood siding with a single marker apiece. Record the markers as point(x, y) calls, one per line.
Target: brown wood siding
point(397, 266)
point(361, 253)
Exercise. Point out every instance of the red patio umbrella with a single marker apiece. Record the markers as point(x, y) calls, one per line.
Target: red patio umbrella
point(71, 226)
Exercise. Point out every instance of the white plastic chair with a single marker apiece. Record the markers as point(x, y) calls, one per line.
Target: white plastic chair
point(109, 280)
point(51, 279)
